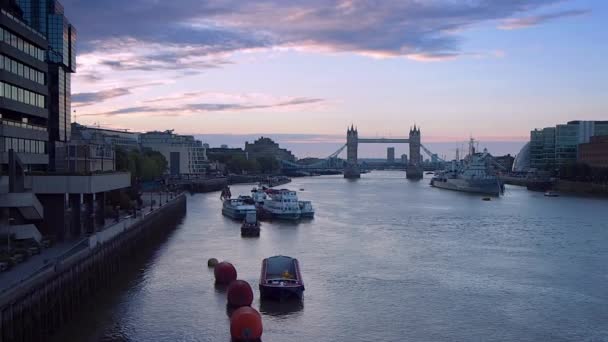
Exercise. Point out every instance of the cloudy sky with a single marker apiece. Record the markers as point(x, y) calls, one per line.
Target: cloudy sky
point(490, 68)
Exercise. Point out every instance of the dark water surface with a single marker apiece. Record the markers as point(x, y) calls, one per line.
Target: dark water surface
point(385, 259)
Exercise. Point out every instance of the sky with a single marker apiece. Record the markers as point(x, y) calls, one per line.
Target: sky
point(492, 69)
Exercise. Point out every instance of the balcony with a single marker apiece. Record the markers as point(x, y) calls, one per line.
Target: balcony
point(78, 183)
point(26, 202)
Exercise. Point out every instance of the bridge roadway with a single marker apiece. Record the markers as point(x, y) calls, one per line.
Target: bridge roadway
point(382, 141)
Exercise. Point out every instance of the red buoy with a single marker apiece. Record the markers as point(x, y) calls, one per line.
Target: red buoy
point(246, 324)
point(224, 273)
point(239, 293)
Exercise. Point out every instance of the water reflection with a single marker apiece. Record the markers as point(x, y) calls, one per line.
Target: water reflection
point(281, 308)
point(220, 288)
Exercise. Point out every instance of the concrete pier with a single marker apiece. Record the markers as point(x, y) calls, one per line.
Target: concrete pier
point(36, 306)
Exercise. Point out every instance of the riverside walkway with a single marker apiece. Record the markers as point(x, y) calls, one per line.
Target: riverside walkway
point(48, 258)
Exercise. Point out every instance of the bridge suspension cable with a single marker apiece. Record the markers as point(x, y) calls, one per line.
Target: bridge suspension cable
point(431, 154)
point(324, 163)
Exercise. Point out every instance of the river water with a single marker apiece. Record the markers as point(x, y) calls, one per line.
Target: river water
point(385, 259)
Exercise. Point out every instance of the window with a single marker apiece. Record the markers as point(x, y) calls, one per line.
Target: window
point(21, 95)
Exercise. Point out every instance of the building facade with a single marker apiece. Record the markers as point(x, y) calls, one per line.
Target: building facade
point(390, 154)
point(37, 56)
point(542, 148)
point(184, 154)
point(24, 92)
point(47, 17)
point(117, 138)
point(595, 152)
point(554, 147)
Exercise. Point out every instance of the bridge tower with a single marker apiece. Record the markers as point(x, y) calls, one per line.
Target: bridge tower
point(414, 168)
point(352, 144)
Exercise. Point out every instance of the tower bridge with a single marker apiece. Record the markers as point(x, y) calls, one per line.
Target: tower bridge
point(414, 168)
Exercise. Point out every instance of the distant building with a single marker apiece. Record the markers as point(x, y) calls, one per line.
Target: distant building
point(522, 160)
point(117, 138)
point(542, 148)
point(595, 152)
point(390, 155)
point(184, 154)
point(505, 161)
point(220, 153)
point(266, 147)
point(553, 147)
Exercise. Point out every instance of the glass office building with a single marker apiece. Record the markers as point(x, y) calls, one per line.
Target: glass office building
point(47, 17)
point(553, 147)
point(24, 90)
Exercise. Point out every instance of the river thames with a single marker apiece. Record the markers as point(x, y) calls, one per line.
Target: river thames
point(385, 259)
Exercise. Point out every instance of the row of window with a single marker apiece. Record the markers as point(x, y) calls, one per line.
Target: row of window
point(23, 24)
point(15, 41)
point(21, 69)
point(22, 95)
point(24, 145)
point(21, 124)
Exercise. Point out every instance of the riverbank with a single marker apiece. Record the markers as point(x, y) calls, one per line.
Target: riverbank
point(582, 188)
point(41, 301)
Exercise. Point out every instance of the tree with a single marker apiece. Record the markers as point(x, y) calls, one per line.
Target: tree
point(147, 165)
point(268, 164)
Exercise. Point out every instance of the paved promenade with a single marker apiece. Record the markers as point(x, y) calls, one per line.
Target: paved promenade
point(46, 260)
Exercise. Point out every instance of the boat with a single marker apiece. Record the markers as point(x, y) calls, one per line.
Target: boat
point(473, 174)
point(259, 196)
point(251, 225)
point(281, 204)
point(487, 199)
point(280, 278)
point(306, 209)
point(551, 194)
point(237, 208)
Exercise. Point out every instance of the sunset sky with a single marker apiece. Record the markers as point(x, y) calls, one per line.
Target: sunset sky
point(493, 69)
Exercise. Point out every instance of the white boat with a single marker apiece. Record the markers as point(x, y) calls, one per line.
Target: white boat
point(237, 208)
point(306, 209)
point(258, 196)
point(551, 194)
point(281, 204)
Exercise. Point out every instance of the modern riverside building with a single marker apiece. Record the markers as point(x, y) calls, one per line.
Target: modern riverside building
point(595, 152)
point(47, 17)
point(542, 148)
point(37, 56)
point(185, 155)
point(115, 137)
point(24, 114)
point(553, 147)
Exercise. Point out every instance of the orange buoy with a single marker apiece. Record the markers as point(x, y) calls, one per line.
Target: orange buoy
point(239, 294)
point(212, 262)
point(224, 273)
point(246, 324)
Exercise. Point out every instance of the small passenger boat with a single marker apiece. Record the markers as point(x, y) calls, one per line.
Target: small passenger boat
point(551, 194)
point(237, 208)
point(306, 209)
point(251, 225)
point(280, 278)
